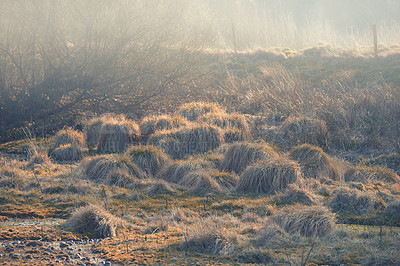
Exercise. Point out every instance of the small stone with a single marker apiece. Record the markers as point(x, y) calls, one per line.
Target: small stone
point(28, 257)
point(70, 253)
point(107, 263)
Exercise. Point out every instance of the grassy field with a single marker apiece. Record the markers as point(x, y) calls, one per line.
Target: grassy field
point(283, 158)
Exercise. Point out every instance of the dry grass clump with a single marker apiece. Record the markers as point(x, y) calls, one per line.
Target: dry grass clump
point(68, 152)
point(175, 171)
point(315, 163)
point(200, 182)
point(269, 176)
point(149, 158)
point(235, 135)
point(120, 178)
point(307, 221)
point(160, 187)
point(271, 234)
point(93, 221)
point(227, 121)
point(392, 211)
point(99, 168)
point(38, 155)
point(366, 174)
point(195, 139)
point(150, 124)
point(240, 155)
point(11, 178)
point(225, 180)
point(353, 201)
point(294, 194)
point(207, 236)
point(68, 136)
point(300, 130)
point(117, 134)
point(192, 111)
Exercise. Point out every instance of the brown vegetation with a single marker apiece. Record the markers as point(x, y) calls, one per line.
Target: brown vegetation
point(313, 221)
point(149, 158)
point(269, 176)
point(315, 163)
point(240, 155)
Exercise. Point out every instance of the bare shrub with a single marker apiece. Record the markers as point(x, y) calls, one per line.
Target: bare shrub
point(117, 134)
point(68, 136)
point(94, 221)
point(195, 139)
point(200, 182)
point(68, 152)
point(269, 177)
point(353, 201)
point(240, 155)
point(315, 163)
point(300, 130)
point(294, 194)
point(192, 111)
point(149, 158)
point(206, 236)
point(175, 171)
point(367, 175)
point(99, 168)
point(307, 221)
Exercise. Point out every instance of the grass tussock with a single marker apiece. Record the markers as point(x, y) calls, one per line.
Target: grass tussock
point(226, 180)
point(38, 156)
point(227, 121)
point(307, 221)
point(240, 155)
point(68, 136)
point(300, 130)
point(392, 212)
point(232, 135)
point(315, 163)
point(100, 168)
point(68, 152)
point(294, 194)
point(93, 221)
point(200, 182)
point(195, 139)
point(353, 201)
point(192, 111)
point(175, 171)
point(208, 237)
point(160, 187)
point(11, 178)
point(150, 124)
point(269, 176)
point(149, 158)
point(117, 134)
point(368, 175)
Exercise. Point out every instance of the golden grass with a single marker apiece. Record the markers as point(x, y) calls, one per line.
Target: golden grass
point(93, 221)
point(269, 176)
point(192, 111)
point(240, 155)
point(149, 158)
point(68, 136)
point(313, 221)
point(184, 141)
point(315, 163)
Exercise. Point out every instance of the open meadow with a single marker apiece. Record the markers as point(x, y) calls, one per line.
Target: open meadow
point(126, 140)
